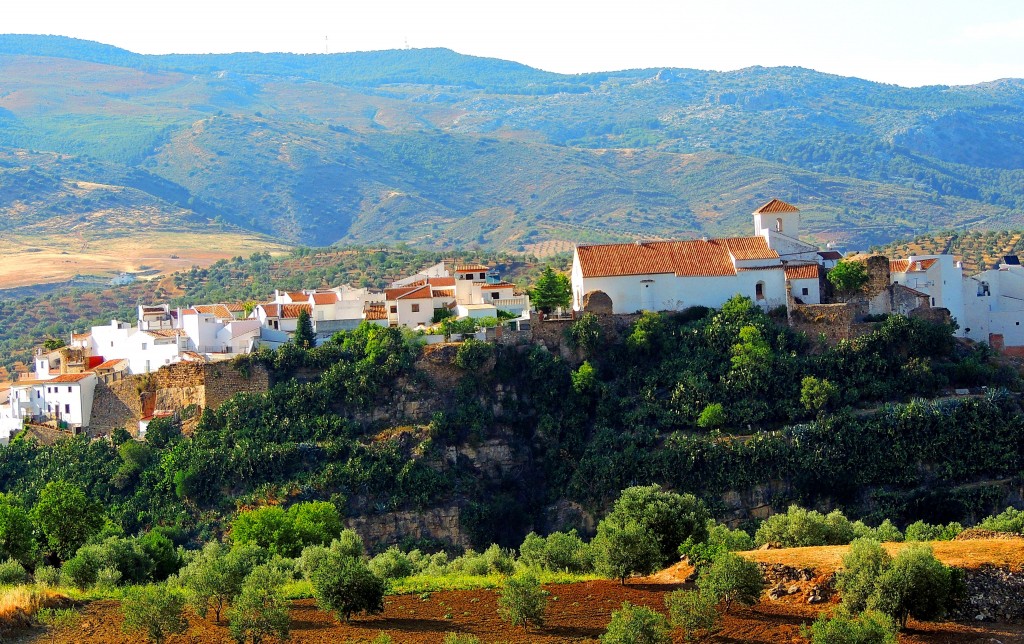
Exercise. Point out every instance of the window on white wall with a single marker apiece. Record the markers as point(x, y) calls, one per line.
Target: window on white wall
point(759, 290)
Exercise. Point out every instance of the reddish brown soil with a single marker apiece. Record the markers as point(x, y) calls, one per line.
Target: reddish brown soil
point(576, 613)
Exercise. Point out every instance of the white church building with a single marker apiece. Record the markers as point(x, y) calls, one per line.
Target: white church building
point(674, 275)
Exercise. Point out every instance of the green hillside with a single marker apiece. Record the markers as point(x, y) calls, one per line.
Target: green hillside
point(438, 149)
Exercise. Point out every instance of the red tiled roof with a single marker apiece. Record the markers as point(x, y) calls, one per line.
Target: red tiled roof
point(420, 293)
point(775, 206)
point(325, 298)
point(218, 311)
point(109, 364)
point(293, 310)
point(376, 312)
point(234, 307)
point(692, 258)
point(297, 296)
point(802, 272)
point(81, 336)
point(441, 281)
point(71, 377)
point(165, 333)
point(905, 265)
point(189, 312)
point(471, 268)
point(499, 285)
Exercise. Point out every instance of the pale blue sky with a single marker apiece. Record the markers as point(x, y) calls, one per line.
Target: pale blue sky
point(909, 42)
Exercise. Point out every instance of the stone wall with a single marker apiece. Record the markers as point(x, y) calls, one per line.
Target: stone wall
point(834, 322)
point(441, 524)
point(221, 381)
point(122, 403)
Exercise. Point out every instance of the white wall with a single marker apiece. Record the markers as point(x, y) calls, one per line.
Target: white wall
point(943, 282)
point(72, 401)
point(812, 286)
point(671, 293)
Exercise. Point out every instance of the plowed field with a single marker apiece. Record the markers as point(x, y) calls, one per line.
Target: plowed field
point(576, 612)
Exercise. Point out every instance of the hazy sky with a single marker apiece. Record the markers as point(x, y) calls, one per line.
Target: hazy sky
point(909, 42)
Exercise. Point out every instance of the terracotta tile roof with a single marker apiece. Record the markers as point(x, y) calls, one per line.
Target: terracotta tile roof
point(71, 377)
point(441, 281)
point(748, 247)
point(471, 268)
point(376, 312)
point(325, 298)
point(297, 296)
point(830, 255)
point(218, 311)
point(293, 310)
point(444, 292)
point(802, 272)
point(189, 312)
point(682, 258)
point(109, 364)
point(420, 293)
point(192, 356)
point(81, 336)
point(234, 307)
point(905, 265)
point(272, 310)
point(499, 285)
point(166, 333)
point(153, 309)
point(775, 206)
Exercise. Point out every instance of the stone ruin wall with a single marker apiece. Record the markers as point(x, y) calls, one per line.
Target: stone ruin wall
point(122, 403)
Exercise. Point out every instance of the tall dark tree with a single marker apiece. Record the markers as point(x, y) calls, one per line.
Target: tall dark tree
point(304, 336)
point(551, 291)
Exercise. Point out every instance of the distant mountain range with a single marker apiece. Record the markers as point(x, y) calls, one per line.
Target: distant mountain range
point(437, 149)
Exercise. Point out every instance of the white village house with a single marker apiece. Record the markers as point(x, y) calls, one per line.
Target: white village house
point(674, 275)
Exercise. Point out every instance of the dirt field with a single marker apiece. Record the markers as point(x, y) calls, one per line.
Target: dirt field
point(38, 261)
point(962, 554)
point(578, 612)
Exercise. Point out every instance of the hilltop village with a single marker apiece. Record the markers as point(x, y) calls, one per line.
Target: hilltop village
point(69, 387)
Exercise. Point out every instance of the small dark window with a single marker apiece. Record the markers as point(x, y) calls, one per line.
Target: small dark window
point(67, 409)
point(394, 309)
point(483, 276)
point(759, 290)
point(69, 389)
point(805, 291)
point(415, 308)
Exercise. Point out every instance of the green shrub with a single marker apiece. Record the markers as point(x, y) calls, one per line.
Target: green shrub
point(870, 627)
point(215, 576)
point(621, 551)
point(346, 586)
point(391, 564)
point(461, 638)
point(46, 575)
point(473, 354)
point(156, 610)
point(916, 584)
point(1010, 520)
point(636, 625)
point(667, 518)
point(863, 565)
point(712, 417)
point(694, 612)
point(522, 601)
point(12, 573)
point(108, 578)
point(83, 569)
point(261, 610)
point(921, 531)
point(799, 528)
point(731, 578)
point(720, 539)
point(16, 532)
point(287, 532)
